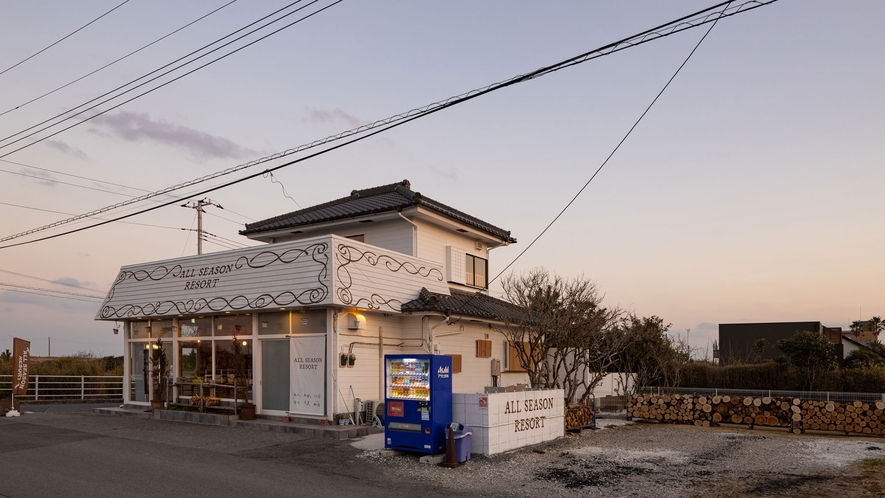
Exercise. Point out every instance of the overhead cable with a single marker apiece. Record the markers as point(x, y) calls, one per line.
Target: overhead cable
point(50, 281)
point(100, 113)
point(67, 174)
point(109, 64)
point(2, 284)
point(678, 25)
point(618, 146)
point(50, 295)
point(64, 38)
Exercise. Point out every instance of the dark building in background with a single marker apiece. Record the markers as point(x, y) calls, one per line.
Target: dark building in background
point(736, 339)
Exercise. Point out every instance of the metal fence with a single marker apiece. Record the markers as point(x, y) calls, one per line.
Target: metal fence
point(839, 397)
point(67, 387)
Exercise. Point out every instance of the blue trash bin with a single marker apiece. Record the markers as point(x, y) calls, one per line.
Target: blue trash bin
point(463, 439)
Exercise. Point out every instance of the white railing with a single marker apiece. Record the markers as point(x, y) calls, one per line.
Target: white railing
point(67, 387)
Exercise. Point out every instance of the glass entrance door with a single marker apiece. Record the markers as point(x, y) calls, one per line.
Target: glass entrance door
point(275, 374)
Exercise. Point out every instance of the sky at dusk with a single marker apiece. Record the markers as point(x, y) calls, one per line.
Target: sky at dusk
point(750, 192)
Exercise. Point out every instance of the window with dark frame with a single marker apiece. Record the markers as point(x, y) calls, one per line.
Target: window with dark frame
point(477, 271)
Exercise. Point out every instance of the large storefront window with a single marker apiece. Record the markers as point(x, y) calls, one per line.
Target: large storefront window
point(195, 359)
point(216, 350)
point(273, 323)
point(151, 329)
point(238, 325)
point(232, 356)
point(195, 327)
point(294, 322)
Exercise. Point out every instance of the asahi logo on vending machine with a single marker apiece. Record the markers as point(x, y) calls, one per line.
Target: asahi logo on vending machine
point(442, 373)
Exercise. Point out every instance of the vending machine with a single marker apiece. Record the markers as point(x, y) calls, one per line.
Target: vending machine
point(418, 402)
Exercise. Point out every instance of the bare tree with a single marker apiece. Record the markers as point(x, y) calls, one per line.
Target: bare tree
point(652, 357)
point(562, 335)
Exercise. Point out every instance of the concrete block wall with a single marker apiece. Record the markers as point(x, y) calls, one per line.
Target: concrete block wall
point(502, 422)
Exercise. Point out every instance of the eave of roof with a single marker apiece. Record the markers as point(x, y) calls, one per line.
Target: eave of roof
point(366, 202)
point(476, 305)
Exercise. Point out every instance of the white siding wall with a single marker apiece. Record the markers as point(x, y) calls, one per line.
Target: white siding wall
point(365, 376)
point(476, 373)
point(432, 242)
point(395, 235)
point(365, 276)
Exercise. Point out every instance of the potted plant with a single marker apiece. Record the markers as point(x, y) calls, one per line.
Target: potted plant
point(240, 381)
point(159, 375)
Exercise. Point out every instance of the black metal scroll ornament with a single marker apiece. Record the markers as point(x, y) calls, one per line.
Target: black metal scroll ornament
point(347, 255)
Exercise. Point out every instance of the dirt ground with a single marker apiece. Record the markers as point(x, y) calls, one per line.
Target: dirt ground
point(657, 460)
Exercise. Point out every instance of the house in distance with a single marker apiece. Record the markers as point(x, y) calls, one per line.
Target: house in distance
point(736, 340)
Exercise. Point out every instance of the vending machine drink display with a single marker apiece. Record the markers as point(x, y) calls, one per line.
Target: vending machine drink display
point(418, 402)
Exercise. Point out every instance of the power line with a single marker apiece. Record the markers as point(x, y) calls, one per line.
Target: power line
point(687, 22)
point(67, 174)
point(93, 116)
point(65, 37)
point(667, 29)
point(273, 179)
point(188, 239)
point(618, 146)
point(44, 179)
point(68, 214)
point(116, 61)
point(2, 284)
point(47, 295)
point(226, 219)
point(47, 280)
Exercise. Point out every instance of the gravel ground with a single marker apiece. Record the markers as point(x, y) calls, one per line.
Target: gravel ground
point(619, 459)
point(642, 459)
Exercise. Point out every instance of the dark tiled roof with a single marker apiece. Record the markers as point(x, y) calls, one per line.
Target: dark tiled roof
point(393, 197)
point(464, 303)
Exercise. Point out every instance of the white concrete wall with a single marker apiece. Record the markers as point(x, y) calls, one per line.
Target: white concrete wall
point(612, 385)
point(502, 422)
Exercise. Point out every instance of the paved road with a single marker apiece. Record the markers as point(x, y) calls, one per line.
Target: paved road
point(78, 453)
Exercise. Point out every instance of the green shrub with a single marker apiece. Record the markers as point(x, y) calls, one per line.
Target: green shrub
point(781, 377)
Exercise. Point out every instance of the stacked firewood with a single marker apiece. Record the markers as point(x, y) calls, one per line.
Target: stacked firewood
point(858, 417)
point(578, 416)
point(713, 410)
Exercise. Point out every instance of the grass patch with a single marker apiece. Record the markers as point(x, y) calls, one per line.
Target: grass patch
point(874, 464)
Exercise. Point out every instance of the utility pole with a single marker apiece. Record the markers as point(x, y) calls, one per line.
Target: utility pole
point(198, 205)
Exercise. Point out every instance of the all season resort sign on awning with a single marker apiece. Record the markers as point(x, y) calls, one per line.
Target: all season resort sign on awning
point(328, 270)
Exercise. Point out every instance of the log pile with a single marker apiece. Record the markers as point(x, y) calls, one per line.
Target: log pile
point(704, 411)
point(578, 416)
point(857, 417)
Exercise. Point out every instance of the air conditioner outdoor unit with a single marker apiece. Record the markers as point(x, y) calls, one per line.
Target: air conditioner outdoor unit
point(371, 406)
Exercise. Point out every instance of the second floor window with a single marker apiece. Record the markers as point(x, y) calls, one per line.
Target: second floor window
point(477, 271)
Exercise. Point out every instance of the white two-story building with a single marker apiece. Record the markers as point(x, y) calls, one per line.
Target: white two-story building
point(337, 286)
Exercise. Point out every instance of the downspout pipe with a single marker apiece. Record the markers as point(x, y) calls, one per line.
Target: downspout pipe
point(445, 321)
